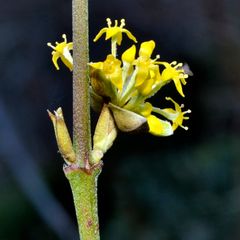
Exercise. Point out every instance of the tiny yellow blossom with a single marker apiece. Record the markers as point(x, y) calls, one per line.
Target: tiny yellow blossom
point(62, 51)
point(115, 32)
point(148, 71)
point(175, 72)
point(111, 68)
point(126, 84)
point(176, 116)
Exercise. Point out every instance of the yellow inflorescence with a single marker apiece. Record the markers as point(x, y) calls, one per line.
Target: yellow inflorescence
point(124, 84)
point(137, 77)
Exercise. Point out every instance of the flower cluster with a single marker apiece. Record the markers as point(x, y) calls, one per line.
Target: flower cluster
point(126, 83)
point(121, 86)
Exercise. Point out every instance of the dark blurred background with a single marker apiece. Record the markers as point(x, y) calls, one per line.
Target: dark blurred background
point(184, 187)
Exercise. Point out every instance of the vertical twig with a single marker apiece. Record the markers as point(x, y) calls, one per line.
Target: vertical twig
point(82, 177)
point(81, 111)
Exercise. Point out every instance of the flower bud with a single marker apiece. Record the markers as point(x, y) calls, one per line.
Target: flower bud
point(104, 136)
point(62, 136)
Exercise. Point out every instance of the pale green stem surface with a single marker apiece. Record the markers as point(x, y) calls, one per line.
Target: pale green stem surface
point(84, 188)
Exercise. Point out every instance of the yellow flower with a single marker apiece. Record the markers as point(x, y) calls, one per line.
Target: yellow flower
point(115, 32)
point(148, 74)
point(175, 72)
point(125, 85)
point(176, 116)
point(62, 51)
point(111, 69)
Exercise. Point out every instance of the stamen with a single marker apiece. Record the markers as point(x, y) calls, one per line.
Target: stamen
point(50, 45)
point(122, 23)
point(116, 23)
point(156, 58)
point(173, 63)
point(64, 37)
point(179, 65)
point(181, 75)
point(184, 127)
point(109, 22)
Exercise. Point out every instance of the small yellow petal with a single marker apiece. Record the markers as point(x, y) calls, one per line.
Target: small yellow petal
point(101, 32)
point(130, 36)
point(55, 57)
point(159, 127)
point(146, 87)
point(129, 54)
point(178, 86)
point(146, 49)
point(97, 65)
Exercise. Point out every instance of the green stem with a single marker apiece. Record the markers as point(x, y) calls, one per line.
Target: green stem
point(84, 188)
point(81, 175)
point(114, 47)
point(81, 96)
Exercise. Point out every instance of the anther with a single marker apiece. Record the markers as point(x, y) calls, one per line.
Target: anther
point(184, 127)
point(64, 37)
point(50, 45)
point(109, 23)
point(156, 58)
point(179, 65)
point(122, 23)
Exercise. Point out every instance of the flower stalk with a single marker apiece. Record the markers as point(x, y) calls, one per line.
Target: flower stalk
point(81, 98)
point(81, 175)
point(84, 190)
